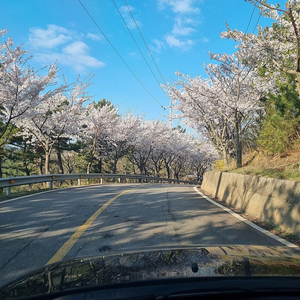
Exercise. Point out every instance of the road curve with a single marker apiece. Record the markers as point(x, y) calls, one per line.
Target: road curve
point(35, 229)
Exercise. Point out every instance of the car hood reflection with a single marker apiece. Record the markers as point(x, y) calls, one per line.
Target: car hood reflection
point(156, 264)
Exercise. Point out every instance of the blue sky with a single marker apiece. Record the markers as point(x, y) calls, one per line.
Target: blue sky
point(179, 34)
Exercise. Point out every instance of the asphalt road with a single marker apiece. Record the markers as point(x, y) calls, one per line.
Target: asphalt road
point(71, 223)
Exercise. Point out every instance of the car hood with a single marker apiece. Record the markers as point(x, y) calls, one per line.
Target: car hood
point(156, 263)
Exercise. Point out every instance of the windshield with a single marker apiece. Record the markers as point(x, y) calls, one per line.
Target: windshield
point(148, 133)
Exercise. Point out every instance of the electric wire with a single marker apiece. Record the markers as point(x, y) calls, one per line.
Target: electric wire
point(120, 55)
point(135, 42)
point(129, 10)
point(256, 23)
point(250, 19)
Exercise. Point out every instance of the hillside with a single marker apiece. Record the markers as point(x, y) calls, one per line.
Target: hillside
point(285, 166)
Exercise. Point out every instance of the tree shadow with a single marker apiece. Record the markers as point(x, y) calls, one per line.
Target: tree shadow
point(154, 215)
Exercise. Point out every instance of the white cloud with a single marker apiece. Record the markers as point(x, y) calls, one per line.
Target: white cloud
point(127, 17)
point(174, 42)
point(179, 27)
point(76, 55)
point(49, 38)
point(204, 40)
point(94, 37)
point(180, 6)
point(63, 45)
point(132, 53)
point(185, 21)
point(157, 46)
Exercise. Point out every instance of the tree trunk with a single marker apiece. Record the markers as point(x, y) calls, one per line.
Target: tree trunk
point(89, 166)
point(26, 167)
point(298, 81)
point(157, 167)
point(1, 172)
point(47, 161)
point(92, 153)
point(59, 159)
point(114, 170)
point(167, 168)
point(141, 168)
point(100, 165)
point(238, 143)
point(41, 165)
point(224, 156)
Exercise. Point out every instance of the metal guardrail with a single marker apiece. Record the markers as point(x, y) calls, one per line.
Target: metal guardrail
point(8, 183)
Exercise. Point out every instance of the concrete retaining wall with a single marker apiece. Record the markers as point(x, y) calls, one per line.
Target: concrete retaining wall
point(268, 199)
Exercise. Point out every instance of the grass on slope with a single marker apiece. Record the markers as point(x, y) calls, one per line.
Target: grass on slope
point(285, 166)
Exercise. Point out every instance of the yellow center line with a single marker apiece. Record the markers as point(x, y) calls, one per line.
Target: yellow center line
point(66, 247)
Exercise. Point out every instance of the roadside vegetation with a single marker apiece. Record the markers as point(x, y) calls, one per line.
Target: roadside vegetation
point(275, 151)
point(248, 106)
point(281, 166)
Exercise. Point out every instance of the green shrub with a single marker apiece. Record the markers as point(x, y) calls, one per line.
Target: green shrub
point(281, 124)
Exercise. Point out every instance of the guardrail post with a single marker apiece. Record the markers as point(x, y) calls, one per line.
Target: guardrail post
point(50, 185)
point(8, 191)
point(101, 180)
point(79, 181)
point(120, 179)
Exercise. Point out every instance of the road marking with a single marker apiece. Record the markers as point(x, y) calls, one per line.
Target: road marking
point(54, 190)
point(49, 191)
point(26, 196)
point(66, 247)
point(275, 237)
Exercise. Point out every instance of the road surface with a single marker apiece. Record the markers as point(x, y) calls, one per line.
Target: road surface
point(72, 222)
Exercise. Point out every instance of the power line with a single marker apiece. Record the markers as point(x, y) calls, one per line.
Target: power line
point(250, 19)
point(256, 23)
point(120, 55)
point(129, 10)
point(137, 26)
point(135, 42)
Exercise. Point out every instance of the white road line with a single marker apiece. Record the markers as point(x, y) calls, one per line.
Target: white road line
point(26, 196)
point(44, 192)
point(275, 237)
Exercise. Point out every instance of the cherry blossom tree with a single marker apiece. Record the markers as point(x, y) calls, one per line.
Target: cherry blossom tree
point(201, 112)
point(177, 143)
point(140, 150)
point(21, 87)
point(120, 136)
point(202, 157)
point(57, 117)
point(277, 48)
point(156, 145)
point(183, 146)
point(161, 133)
point(222, 106)
point(94, 128)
